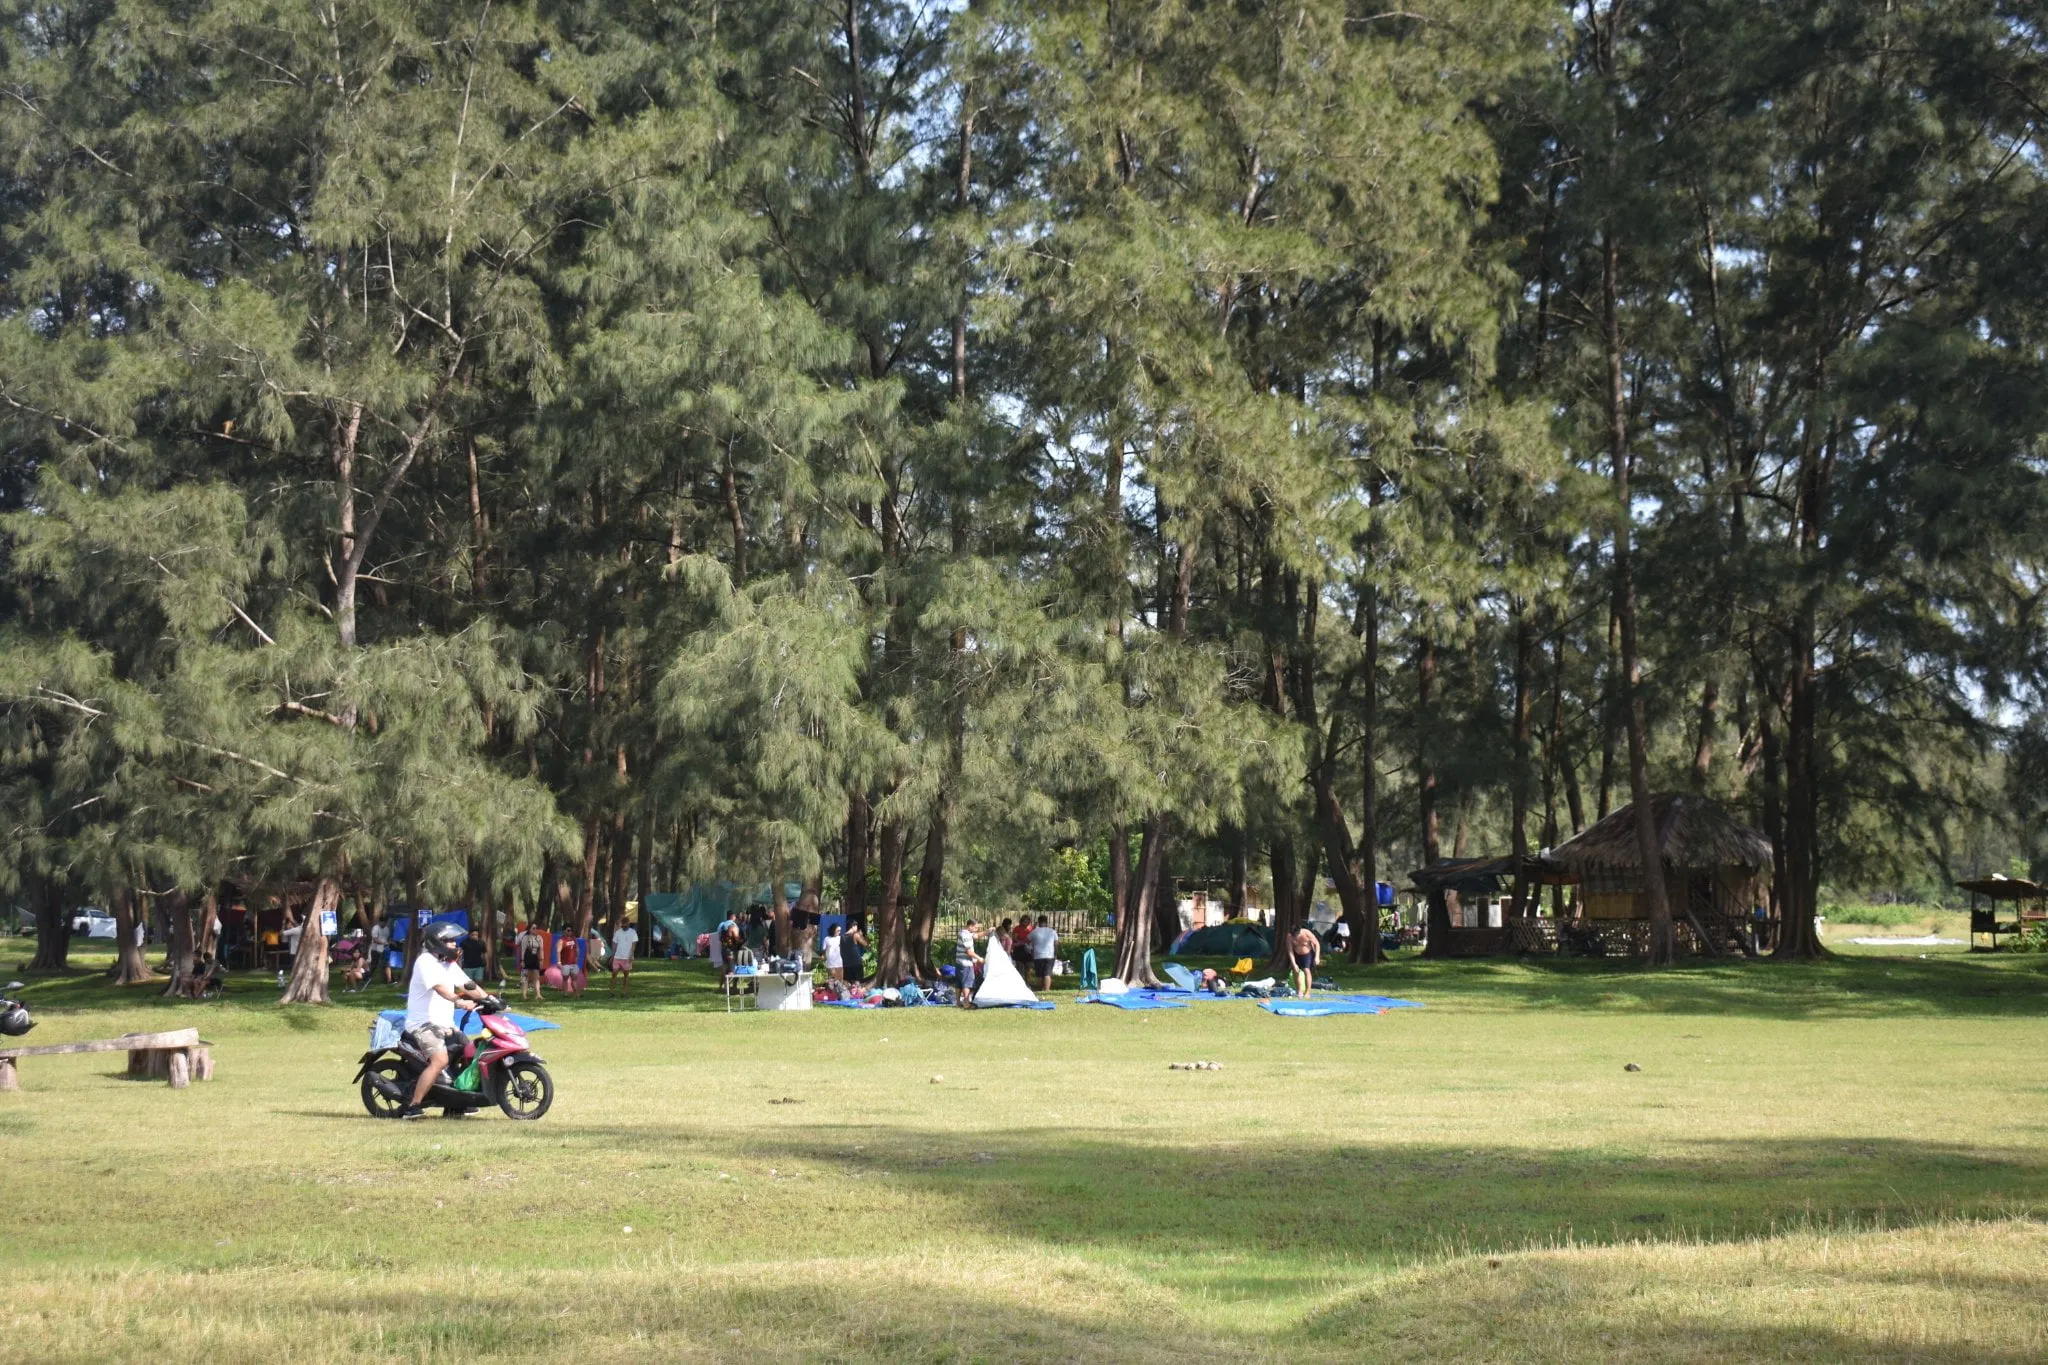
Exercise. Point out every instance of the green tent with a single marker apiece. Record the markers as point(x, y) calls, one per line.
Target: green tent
point(1225, 940)
point(687, 914)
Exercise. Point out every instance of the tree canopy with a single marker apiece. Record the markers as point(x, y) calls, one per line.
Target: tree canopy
point(538, 451)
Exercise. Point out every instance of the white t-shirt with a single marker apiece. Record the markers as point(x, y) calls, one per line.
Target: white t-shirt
point(425, 1005)
point(291, 939)
point(623, 941)
point(1043, 941)
point(380, 935)
point(834, 956)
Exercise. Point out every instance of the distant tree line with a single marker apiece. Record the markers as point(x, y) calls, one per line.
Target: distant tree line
point(539, 451)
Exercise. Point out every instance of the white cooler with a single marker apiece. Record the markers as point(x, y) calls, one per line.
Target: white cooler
point(772, 993)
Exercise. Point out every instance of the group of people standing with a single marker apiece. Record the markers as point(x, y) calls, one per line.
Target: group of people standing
point(1039, 941)
point(568, 973)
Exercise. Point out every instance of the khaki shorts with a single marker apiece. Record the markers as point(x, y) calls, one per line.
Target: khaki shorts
point(432, 1038)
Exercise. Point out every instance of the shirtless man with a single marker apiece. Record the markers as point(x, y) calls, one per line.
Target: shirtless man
point(1307, 951)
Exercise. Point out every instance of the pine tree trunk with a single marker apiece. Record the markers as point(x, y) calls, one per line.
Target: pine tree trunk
point(1286, 899)
point(483, 909)
point(1709, 722)
point(1165, 908)
point(643, 869)
point(855, 900)
point(181, 954)
point(1518, 780)
point(1134, 930)
point(809, 902)
point(308, 983)
point(129, 969)
point(895, 958)
point(1240, 874)
point(1773, 805)
point(622, 870)
point(1798, 935)
point(1649, 848)
point(1119, 874)
point(1359, 903)
point(586, 893)
point(206, 940)
point(53, 928)
point(778, 902)
point(1425, 759)
point(890, 914)
point(1366, 947)
point(931, 877)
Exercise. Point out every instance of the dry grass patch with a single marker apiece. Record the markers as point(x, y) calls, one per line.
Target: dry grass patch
point(1954, 1291)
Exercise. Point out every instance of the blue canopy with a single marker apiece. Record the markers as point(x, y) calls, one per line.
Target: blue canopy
point(471, 1023)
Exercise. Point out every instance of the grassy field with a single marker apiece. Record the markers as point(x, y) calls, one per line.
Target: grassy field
point(1848, 1161)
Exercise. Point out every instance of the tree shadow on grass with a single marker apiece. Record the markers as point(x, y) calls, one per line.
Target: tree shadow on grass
point(1259, 1219)
point(1839, 987)
point(1571, 1307)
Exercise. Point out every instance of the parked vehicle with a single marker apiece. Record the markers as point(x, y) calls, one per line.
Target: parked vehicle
point(91, 922)
point(502, 1071)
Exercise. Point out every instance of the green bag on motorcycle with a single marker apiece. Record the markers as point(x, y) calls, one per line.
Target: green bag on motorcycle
point(470, 1077)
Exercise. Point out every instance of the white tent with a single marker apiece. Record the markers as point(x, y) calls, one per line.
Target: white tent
point(1003, 984)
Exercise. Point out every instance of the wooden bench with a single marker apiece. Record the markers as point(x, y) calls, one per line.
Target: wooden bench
point(179, 1056)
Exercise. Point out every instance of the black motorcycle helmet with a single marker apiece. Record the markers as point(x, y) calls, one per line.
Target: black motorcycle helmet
point(14, 1021)
point(444, 941)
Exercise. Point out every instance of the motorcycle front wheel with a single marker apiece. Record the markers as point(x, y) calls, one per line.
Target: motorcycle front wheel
point(525, 1090)
point(383, 1105)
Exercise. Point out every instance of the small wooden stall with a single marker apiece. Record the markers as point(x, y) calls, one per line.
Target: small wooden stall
point(1715, 872)
point(2025, 903)
point(1467, 916)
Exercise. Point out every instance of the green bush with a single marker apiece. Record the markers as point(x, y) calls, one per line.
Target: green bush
point(1880, 916)
point(1071, 882)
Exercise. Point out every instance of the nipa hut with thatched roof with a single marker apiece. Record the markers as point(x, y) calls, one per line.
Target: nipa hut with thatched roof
point(1468, 916)
point(1715, 872)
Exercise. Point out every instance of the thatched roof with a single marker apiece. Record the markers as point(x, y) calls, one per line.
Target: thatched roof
point(1692, 831)
point(1483, 876)
point(2001, 888)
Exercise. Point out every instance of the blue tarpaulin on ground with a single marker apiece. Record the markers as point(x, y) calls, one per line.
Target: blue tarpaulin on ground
point(1141, 1000)
point(1318, 1007)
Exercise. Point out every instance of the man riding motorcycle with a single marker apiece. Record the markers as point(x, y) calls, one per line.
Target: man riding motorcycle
point(437, 984)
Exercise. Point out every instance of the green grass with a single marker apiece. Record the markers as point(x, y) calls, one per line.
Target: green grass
point(1847, 1161)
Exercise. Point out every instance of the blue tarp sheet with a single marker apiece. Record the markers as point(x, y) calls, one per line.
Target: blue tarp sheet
point(1141, 1000)
point(1321, 1006)
point(876, 1005)
point(467, 1020)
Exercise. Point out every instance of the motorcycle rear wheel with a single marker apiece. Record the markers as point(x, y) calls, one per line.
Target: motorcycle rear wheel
point(381, 1105)
point(526, 1091)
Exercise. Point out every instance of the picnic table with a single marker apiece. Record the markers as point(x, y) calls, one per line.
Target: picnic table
point(178, 1056)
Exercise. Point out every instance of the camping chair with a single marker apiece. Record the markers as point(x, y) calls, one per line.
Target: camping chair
point(1241, 968)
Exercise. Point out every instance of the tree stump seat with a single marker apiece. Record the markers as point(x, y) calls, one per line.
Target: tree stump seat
point(178, 1056)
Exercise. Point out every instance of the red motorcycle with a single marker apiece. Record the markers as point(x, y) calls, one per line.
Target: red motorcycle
point(502, 1071)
